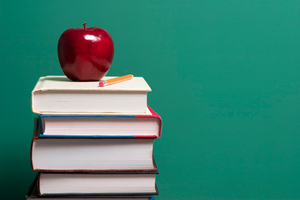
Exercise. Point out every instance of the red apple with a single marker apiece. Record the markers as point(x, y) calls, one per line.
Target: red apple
point(85, 54)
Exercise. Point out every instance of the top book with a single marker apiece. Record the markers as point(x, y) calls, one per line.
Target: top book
point(60, 95)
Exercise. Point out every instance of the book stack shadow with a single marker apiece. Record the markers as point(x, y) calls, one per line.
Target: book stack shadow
point(93, 142)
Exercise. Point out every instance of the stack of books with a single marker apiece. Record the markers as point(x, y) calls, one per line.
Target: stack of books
point(93, 142)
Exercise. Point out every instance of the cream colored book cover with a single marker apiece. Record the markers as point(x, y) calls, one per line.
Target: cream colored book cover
point(58, 94)
point(63, 83)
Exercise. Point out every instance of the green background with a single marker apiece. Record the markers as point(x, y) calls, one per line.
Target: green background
point(224, 75)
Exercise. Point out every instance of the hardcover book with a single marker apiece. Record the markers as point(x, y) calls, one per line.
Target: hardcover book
point(101, 125)
point(60, 95)
point(137, 183)
point(33, 193)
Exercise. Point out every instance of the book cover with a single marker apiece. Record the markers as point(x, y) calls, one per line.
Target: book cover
point(133, 126)
point(58, 94)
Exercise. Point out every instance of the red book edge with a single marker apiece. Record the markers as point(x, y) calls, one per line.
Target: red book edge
point(154, 115)
point(38, 182)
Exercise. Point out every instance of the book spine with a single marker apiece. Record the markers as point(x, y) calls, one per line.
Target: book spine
point(34, 137)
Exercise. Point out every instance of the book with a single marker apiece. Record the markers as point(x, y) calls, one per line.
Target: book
point(142, 183)
point(101, 125)
point(79, 154)
point(33, 193)
point(58, 94)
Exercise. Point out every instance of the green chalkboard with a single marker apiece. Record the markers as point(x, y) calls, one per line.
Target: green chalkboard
point(224, 77)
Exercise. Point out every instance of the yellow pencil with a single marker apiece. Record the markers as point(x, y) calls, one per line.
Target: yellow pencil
point(115, 80)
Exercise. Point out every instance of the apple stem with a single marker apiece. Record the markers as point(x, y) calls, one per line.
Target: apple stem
point(84, 25)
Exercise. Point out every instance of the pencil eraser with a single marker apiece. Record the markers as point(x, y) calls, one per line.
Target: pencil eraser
point(101, 83)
